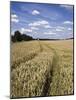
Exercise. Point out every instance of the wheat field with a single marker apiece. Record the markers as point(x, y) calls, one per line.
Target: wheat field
point(42, 68)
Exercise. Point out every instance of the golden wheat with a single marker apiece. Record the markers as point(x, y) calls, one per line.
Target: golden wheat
point(42, 68)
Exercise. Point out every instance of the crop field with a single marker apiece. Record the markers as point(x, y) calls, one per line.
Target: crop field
point(42, 68)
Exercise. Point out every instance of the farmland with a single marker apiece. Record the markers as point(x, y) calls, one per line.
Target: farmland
point(42, 68)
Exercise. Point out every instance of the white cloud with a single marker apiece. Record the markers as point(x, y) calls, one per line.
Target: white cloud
point(68, 22)
point(35, 12)
point(68, 7)
point(69, 29)
point(14, 18)
point(38, 23)
point(12, 32)
point(34, 28)
point(43, 22)
point(50, 33)
point(34, 24)
point(36, 32)
point(22, 30)
point(59, 30)
point(47, 26)
point(25, 30)
point(61, 27)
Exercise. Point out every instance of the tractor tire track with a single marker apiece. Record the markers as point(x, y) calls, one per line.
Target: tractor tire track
point(25, 59)
point(50, 73)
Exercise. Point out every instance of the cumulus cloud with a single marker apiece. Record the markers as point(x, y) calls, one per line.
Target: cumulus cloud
point(50, 33)
point(25, 30)
point(43, 22)
point(14, 18)
point(68, 22)
point(38, 23)
point(59, 30)
point(61, 27)
point(34, 24)
point(34, 28)
point(35, 12)
point(69, 29)
point(47, 26)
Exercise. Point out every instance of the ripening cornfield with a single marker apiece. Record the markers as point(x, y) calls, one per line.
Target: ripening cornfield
point(42, 68)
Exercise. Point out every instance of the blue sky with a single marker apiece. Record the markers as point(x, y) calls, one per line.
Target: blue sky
point(52, 21)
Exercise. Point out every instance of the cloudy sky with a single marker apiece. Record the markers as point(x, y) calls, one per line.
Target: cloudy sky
point(42, 20)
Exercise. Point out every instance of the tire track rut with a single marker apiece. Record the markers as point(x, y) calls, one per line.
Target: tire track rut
point(25, 59)
point(49, 74)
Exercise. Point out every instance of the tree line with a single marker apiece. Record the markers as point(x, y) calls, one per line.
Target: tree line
point(18, 37)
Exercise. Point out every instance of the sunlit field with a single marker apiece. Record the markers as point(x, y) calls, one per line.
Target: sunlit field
point(42, 68)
